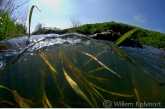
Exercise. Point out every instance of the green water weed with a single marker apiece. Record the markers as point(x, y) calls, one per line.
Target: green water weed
point(126, 35)
point(30, 17)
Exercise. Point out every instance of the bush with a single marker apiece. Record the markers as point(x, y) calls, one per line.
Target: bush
point(9, 25)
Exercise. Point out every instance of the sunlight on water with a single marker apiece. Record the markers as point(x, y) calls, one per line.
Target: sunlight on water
point(72, 70)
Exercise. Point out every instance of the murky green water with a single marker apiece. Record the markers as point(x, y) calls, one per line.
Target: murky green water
point(75, 71)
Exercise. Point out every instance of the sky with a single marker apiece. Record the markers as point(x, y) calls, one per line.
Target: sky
point(147, 14)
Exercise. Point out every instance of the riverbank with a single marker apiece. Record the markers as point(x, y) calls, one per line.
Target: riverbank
point(143, 36)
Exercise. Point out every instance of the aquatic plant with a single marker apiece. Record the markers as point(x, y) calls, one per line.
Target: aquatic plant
point(30, 16)
point(126, 35)
point(23, 103)
point(102, 73)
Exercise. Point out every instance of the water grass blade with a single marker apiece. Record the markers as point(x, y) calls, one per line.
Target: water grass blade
point(30, 16)
point(107, 91)
point(97, 94)
point(137, 95)
point(122, 55)
point(23, 103)
point(80, 76)
point(97, 69)
point(54, 72)
point(45, 99)
point(62, 95)
point(74, 60)
point(65, 104)
point(77, 72)
point(3, 102)
point(96, 55)
point(6, 88)
point(103, 80)
point(44, 104)
point(125, 57)
point(122, 38)
point(91, 95)
point(47, 62)
point(135, 88)
point(76, 88)
point(101, 64)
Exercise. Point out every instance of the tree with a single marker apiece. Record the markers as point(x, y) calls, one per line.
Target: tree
point(38, 28)
point(74, 24)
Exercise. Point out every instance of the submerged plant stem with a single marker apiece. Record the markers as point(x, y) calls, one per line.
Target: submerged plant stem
point(76, 88)
point(101, 64)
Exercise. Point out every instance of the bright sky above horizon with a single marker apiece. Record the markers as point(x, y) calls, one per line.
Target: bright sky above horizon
point(147, 14)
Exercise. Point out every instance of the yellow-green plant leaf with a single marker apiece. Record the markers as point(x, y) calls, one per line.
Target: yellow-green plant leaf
point(65, 104)
point(76, 88)
point(7, 103)
point(94, 58)
point(119, 52)
point(97, 93)
point(30, 16)
point(23, 103)
point(96, 55)
point(135, 88)
point(107, 91)
point(45, 100)
point(122, 38)
point(47, 62)
point(5, 88)
point(103, 80)
point(97, 69)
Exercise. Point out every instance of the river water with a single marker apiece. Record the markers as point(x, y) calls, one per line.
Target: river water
point(73, 70)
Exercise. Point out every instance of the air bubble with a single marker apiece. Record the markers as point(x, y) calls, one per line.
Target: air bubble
point(1, 64)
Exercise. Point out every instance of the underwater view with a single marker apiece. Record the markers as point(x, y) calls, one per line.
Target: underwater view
point(73, 70)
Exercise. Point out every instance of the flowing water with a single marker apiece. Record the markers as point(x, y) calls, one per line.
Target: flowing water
point(73, 70)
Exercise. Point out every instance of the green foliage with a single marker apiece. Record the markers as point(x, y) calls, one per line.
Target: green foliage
point(38, 27)
point(155, 41)
point(10, 25)
point(147, 37)
point(100, 27)
point(126, 35)
point(9, 28)
point(48, 31)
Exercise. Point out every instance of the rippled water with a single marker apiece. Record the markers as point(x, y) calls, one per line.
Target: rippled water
point(138, 74)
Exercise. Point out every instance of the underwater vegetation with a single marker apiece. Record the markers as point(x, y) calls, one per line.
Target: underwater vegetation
point(75, 72)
